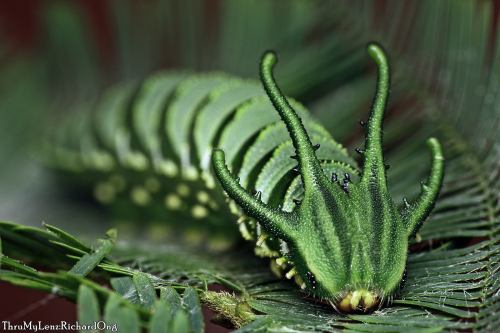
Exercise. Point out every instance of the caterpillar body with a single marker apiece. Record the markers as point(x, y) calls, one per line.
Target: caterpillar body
point(211, 145)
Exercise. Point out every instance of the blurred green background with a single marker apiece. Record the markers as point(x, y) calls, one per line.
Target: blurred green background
point(58, 56)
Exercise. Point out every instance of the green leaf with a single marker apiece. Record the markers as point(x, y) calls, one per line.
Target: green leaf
point(192, 306)
point(145, 289)
point(160, 320)
point(123, 317)
point(66, 238)
point(125, 286)
point(180, 323)
point(169, 295)
point(88, 306)
point(90, 260)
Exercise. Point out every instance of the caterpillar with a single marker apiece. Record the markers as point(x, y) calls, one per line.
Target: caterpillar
point(208, 146)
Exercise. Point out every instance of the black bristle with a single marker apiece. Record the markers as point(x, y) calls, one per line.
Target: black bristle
point(359, 150)
point(293, 157)
point(347, 177)
point(316, 146)
point(362, 123)
point(334, 177)
point(387, 166)
point(296, 169)
point(297, 202)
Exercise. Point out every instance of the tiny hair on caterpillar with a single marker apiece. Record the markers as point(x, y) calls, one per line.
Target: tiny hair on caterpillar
point(199, 150)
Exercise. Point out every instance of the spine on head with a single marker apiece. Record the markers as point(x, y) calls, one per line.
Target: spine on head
point(374, 168)
point(416, 213)
point(310, 168)
point(273, 220)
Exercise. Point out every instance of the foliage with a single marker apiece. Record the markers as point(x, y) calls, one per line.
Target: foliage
point(447, 74)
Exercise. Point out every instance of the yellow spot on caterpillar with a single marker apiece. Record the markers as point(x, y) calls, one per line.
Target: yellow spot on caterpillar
point(241, 219)
point(104, 193)
point(101, 161)
point(191, 173)
point(233, 207)
point(203, 197)
point(361, 299)
point(183, 190)
point(355, 298)
point(152, 184)
point(276, 269)
point(136, 161)
point(262, 238)
point(209, 180)
point(345, 304)
point(299, 281)
point(281, 261)
point(140, 196)
point(265, 252)
point(291, 273)
point(199, 212)
point(167, 168)
point(369, 299)
point(244, 232)
point(118, 182)
point(258, 229)
point(172, 201)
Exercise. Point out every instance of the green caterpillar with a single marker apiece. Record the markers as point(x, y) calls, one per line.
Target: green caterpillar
point(321, 219)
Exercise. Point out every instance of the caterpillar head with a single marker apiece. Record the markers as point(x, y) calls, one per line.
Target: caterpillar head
point(348, 242)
